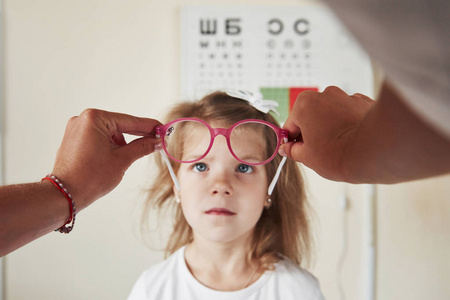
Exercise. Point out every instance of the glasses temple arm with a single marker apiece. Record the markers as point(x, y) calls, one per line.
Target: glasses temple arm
point(277, 175)
point(172, 173)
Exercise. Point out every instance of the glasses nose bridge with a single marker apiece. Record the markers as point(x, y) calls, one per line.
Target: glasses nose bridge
point(220, 131)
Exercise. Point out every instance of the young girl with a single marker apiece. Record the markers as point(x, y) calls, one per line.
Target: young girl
point(238, 233)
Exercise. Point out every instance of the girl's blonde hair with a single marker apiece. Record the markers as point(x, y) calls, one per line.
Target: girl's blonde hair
point(283, 228)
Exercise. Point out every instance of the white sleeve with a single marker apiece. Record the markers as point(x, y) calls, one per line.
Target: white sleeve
point(138, 291)
point(319, 295)
point(410, 41)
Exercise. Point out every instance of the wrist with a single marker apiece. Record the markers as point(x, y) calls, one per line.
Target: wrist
point(56, 206)
point(70, 221)
point(78, 189)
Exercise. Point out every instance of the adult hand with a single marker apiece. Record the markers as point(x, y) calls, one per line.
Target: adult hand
point(94, 155)
point(321, 127)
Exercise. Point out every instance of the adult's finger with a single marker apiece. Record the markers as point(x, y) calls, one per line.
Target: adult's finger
point(117, 123)
point(130, 124)
point(295, 119)
point(294, 131)
point(293, 150)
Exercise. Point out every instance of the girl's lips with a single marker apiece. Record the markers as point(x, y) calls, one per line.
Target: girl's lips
point(220, 212)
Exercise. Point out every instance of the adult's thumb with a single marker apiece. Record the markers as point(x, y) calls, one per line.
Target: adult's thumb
point(292, 150)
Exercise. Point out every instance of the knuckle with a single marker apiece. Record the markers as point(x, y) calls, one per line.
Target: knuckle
point(72, 120)
point(91, 114)
point(305, 99)
point(332, 90)
point(362, 97)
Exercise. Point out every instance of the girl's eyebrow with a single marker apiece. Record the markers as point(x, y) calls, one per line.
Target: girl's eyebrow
point(251, 157)
point(192, 156)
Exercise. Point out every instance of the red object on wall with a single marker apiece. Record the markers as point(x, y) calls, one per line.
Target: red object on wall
point(293, 93)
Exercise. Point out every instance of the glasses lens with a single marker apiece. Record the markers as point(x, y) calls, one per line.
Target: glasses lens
point(187, 141)
point(253, 142)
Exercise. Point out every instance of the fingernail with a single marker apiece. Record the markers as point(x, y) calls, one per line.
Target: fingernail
point(158, 147)
point(282, 152)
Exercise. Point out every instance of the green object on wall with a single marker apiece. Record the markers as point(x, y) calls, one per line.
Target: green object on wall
point(281, 95)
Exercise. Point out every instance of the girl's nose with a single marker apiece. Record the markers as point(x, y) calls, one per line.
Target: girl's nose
point(221, 172)
point(221, 185)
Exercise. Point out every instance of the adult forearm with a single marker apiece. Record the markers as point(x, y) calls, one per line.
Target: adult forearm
point(29, 211)
point(90, 162)
point(392, 144)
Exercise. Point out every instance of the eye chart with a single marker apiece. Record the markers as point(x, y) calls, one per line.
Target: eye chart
point(277, 51)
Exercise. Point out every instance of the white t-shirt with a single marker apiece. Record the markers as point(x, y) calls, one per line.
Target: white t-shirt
point(410, 39)
point(171, 279)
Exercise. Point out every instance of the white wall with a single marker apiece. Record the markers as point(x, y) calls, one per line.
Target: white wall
point(61, 57)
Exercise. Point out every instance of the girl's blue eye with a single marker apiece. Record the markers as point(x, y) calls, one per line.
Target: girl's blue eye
point(200, 167)
point(242, 168)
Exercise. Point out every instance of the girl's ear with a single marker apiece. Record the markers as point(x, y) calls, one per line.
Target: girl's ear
point(176, 194)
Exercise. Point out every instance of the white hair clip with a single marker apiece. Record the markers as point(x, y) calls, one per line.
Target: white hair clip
point(255, 99)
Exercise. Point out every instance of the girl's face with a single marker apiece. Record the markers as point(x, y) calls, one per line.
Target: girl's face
point(222, 199)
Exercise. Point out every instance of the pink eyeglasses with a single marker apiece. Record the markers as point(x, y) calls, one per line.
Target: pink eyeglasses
point(241, 138)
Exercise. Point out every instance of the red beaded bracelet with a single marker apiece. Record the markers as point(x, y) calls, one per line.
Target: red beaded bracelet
point(66, 228)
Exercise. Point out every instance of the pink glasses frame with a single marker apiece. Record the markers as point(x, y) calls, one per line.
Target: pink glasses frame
point(282, 135)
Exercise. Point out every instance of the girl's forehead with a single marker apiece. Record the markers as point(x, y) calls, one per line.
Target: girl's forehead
point(219, 123)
